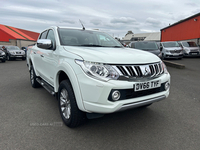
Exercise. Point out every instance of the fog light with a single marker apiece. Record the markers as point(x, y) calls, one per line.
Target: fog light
point(116, 95)
point(167, 85)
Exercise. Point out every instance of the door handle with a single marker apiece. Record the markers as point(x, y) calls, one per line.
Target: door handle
point(34, 52)
point(42, 55)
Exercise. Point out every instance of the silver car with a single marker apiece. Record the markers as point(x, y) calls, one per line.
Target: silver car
point(13, 52)
point(151, 47)
point(190, 48)
point(171, 50)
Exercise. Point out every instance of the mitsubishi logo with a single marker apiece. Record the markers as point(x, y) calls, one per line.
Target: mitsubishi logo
point(147, 72)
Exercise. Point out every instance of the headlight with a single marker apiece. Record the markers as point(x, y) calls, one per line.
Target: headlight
point(3, 53)
point(164, 68)
point(187, 50)
point(98, 70)
point(12, 53)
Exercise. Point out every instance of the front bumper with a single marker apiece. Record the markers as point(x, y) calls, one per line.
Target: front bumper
point(173, 56)
point(2, 57)
point(192, 54)
point(18, 56)
point(95, 94)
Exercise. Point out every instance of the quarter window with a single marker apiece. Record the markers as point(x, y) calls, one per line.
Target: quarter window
point(43, 35)
point(52, 38)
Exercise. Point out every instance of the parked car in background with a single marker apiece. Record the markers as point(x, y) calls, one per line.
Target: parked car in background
point(146, 46)
point(2, 56)
point(24, 49)
point(13, 52)
point(190, 48)
point(171, 50)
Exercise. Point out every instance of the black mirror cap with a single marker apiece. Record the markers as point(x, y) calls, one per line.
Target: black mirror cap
point(161, 48)
point(44, 43)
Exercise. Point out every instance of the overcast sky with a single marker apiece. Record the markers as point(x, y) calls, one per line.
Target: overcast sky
point(115, 17)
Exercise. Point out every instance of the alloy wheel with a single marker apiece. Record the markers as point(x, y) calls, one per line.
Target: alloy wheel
point(65, 105)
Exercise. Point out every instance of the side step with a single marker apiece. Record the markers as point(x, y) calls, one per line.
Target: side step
point(48, 87)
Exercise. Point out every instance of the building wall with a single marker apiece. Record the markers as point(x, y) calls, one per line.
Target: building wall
point(186, 30)
point(11, 42)
point(19, 43)
point(24, 43)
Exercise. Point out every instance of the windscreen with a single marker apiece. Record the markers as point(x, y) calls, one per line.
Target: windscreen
point(171, 44)
point(189, 44)
point(12, 48)
point(146, 45)
point(75, 37)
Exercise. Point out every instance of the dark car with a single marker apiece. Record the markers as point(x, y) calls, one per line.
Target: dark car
point(13, 52)
point(24, 49)
point(146, 46)
point(2, 56)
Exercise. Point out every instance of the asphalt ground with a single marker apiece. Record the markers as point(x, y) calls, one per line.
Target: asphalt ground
point(30, 117)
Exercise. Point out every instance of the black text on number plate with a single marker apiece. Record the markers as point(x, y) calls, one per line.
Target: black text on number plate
point(147, 85)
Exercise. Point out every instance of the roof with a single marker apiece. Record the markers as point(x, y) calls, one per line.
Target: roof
point(15, 33)
point(181, 21)
point(153, 36)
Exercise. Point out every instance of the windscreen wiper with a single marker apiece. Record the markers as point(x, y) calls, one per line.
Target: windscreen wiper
point(116, 46)
point(91, 45)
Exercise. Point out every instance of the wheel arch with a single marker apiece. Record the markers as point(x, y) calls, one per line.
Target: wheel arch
point(67, 73)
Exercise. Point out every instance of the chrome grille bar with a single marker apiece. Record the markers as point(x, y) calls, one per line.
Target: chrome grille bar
point(140, 71)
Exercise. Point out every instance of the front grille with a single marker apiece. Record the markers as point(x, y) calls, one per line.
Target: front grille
point(193, 53)
point(175, 51)
point(194, 50)
point(130, 93)
point(140, 71)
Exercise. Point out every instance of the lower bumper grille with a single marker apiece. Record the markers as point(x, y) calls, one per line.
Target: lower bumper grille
point(130, 93)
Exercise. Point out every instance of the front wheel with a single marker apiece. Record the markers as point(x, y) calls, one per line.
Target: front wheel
point(8, 57)
point(33, 80)
point(23, 58)
point(163, 57)
point(69, 111)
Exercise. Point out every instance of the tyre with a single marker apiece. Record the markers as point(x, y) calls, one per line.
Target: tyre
point(163, 57)
point(3, 60)
point(33, 77)
point(23, 58)
point(69, 111)
point(8, 58)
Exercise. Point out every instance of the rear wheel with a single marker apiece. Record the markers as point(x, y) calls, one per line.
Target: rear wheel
point(69, 111)
point(33, 80)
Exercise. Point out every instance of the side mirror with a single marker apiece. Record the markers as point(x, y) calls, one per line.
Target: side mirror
point(44, 43)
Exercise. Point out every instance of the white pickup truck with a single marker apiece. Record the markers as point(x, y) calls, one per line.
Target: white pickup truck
point(92, 73)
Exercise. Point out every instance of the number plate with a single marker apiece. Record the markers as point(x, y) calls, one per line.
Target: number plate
point(194, 53)
point(18, 56)
point(147, 85)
